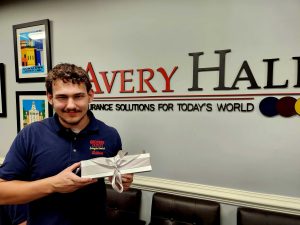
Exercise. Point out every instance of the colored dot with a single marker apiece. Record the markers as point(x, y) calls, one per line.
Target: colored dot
point(286, 106)
point(297, 106)
point(268, 106)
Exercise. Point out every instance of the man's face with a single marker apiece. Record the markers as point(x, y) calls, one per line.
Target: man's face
point(70, 102)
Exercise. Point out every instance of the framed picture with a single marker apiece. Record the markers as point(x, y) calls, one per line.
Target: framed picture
point(32, 51)
point(2, 92)
point(32, 106)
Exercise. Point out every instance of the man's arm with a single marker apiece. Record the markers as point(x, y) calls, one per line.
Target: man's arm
point(19, 192)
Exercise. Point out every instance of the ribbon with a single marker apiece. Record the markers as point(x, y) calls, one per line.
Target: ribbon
point(116, 163)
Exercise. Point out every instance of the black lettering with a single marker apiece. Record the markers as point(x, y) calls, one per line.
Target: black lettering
point(165, 107)
point(249, 77)
point(135, 107)
point(220, 68)
point(240, 107)
point(209, 107)
point(298, 71)
point(270, 84)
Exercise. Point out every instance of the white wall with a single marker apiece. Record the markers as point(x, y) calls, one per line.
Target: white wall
point(237, 150)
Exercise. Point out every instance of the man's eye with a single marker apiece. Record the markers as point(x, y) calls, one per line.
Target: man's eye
point(61, 97)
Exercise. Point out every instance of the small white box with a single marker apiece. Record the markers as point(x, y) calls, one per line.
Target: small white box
point(104, 167)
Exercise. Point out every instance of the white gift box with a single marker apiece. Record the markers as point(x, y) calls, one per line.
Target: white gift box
point(121, 163)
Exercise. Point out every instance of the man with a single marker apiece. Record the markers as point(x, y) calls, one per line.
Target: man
point(39, 167)
point(13, 214)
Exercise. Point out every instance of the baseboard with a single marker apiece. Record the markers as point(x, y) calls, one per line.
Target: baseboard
point(229, 196)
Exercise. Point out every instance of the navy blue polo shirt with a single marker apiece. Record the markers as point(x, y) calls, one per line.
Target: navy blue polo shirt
point(45, 148)
point(13, 214)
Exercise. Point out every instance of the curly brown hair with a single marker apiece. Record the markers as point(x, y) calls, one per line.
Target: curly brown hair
point(67, 73)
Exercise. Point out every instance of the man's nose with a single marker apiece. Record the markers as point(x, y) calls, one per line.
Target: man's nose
point(71, 103)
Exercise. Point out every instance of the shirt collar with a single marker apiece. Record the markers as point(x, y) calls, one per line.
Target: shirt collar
point(90, 128)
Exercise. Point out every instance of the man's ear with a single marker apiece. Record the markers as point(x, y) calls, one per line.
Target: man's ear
point(91, 95)
point(50, 98)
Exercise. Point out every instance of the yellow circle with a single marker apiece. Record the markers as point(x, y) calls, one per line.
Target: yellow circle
point(297, 106)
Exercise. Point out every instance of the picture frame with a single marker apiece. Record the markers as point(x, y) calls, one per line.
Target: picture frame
point(31, 106)
point(3, 112)
point(32, 51)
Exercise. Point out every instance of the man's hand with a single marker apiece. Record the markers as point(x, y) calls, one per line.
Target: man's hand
point(67, 181)
point(127, 180)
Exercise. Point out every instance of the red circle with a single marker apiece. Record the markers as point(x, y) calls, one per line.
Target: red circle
point(286, 106)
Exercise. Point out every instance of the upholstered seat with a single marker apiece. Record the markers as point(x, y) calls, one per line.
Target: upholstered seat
point(249, 216)
point(170, 209)
point(124, 208)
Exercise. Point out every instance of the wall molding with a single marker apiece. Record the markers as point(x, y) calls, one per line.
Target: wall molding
point(229, 196)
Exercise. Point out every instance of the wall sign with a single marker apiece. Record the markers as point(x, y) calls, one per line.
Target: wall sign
point(140, 83)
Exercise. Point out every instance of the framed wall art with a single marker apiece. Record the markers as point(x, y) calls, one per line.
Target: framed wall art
point(2, 92)
point(31, 106)
point(32, 51)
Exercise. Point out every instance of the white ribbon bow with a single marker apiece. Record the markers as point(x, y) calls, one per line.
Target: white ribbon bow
point(116, 163)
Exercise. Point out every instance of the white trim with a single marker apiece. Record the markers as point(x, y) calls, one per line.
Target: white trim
point(222, 195)
point(1, 160)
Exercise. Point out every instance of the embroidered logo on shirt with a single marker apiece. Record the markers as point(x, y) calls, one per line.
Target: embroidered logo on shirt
point(97, 147)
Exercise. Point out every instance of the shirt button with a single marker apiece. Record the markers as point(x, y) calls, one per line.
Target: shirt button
point(74, 138)
point(74, 150)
